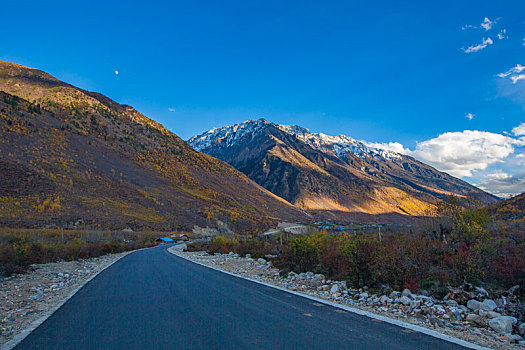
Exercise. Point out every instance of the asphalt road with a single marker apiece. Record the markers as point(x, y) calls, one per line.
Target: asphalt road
point(152, 299)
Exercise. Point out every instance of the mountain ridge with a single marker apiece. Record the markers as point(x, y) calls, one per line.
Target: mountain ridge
point(319, 172)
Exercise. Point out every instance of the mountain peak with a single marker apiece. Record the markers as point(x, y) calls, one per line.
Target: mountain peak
point(227, 134)
point(340, 145)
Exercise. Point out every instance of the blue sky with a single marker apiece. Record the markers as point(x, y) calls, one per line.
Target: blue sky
point(403, 75)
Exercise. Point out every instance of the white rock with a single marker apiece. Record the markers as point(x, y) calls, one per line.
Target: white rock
point(452, 302)
point(395, 294)
point(474, 305)
point(502, 324)
point(385, 300)
point(407, 293)
point(335, 289)
point(404, 300)
point(324, 287)
point(363, 295)
point(488, 305)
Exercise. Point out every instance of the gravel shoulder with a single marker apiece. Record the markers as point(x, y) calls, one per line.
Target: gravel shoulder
point(315, 285)
point(26, 298)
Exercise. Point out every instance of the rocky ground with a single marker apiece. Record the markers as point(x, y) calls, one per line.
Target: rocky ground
point(26, 297)
point(480, 320)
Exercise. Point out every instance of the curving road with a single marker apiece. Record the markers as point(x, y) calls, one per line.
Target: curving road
point(152, 299)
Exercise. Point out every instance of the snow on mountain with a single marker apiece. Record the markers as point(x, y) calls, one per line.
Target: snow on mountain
point(230, 134)
point(339, 145)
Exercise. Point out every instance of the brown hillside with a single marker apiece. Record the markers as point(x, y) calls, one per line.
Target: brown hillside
point(68, 154)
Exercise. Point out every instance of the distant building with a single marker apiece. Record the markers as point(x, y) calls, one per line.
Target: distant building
point(164, 240)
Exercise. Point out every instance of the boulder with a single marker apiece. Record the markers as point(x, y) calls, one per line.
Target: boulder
point(488, 305)
point(452, 302)
point(395, 294)
point(335, 289)
point(404, 300)
point(474, 305)
point(363, 295)
point(502, 324)
point(407, 293)
point(385, 300)
point(261, 261)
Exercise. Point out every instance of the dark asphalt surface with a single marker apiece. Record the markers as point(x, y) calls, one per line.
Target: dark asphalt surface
point(152, 299)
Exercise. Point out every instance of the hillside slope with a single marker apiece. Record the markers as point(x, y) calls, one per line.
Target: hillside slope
point(510, 210)
point(322, 173)
point(68, 155)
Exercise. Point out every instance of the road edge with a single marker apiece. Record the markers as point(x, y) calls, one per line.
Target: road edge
point(17, 339)
point(393, 321)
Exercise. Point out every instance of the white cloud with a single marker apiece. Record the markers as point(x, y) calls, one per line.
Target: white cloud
point(515, 78)
point(475, 48)
point(469, 116)
point(504, 186)
point(502, 34)
point(514, 74)
point(518, 69)
point(171, 109)
point(390, 146)
point(499, 175)
point(519, 130)
point(461, 153)
point(523, 43)
point(468, 26)
point(491, 160)
point(487, 24)
point(116, 72)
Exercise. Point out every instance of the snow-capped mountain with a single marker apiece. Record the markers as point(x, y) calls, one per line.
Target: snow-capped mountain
point(228, 134)
point(340, 145)
point(321, 173)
